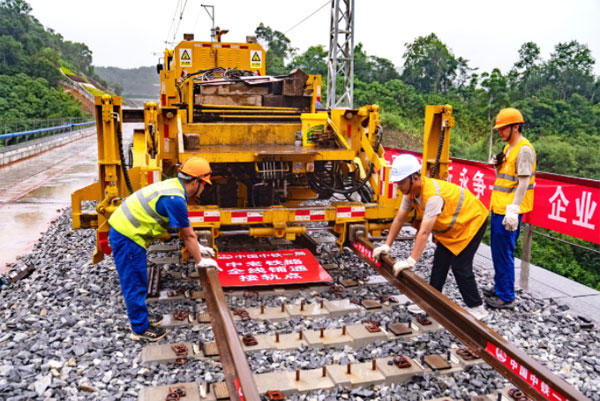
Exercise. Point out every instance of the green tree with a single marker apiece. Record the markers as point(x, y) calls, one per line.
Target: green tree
point(570, 69)
point(77, 54)
point(383, 70)
point(23, 97)
point(527, 70)
point(496, 98)
point(372, 68)
point(12, 56)
point(467, 79)
point(46, 65)
point(14, 18)
point(278, 46)
point(274, 40)
point(312, 61)
point(428, 65)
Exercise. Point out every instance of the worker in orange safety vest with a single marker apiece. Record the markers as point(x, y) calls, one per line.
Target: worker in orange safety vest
point(512, 196)
point(455, 217)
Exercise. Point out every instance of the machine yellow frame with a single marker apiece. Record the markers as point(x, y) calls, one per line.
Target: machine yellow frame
point(265, 137)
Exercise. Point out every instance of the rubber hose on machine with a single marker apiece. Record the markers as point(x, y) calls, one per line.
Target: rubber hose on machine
point(122, 155)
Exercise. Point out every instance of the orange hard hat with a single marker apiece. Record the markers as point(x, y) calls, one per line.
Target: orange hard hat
point(508, 116)
point(197, 167)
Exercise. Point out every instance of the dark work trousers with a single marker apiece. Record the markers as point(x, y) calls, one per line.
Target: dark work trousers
point(462, 268)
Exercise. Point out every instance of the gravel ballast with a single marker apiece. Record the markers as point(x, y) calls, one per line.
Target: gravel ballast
point(64, 333)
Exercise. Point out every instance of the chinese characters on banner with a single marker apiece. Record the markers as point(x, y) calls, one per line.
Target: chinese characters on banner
point(531, 379)
point(566, 205)
point(366, 252)
point(242, 269)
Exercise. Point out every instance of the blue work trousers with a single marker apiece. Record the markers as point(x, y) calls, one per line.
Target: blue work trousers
point(130, 260)
point(503, 244)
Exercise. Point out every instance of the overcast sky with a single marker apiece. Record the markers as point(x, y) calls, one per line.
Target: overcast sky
point(132, 33)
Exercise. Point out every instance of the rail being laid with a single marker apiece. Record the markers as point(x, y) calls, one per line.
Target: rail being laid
point(240, 382)
point(535, 380)
point(538, 382)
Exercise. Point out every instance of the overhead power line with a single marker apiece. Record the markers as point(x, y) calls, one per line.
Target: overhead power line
point(313, 13)
point(172, 26)
point(179, 9)
point(179, 22)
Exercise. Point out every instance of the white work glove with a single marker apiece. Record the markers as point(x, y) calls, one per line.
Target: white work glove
point(206, 250)
point(511, 218)
point(205, 263)
point(493, 160)
point(409, 263)
point(380, 250)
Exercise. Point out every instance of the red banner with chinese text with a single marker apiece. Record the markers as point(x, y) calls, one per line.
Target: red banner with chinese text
point(567, 205)
point(295, 266)
point(539, 385)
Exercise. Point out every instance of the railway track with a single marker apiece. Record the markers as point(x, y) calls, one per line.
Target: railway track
point(356, 314)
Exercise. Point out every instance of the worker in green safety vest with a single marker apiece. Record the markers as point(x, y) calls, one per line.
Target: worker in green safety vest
point(144, 216)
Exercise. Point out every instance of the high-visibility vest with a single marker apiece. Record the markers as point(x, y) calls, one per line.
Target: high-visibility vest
point(461, 217)
point(137, 218)
point(507, 182)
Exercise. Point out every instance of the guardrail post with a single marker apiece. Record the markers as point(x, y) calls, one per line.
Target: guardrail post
point(526, 257)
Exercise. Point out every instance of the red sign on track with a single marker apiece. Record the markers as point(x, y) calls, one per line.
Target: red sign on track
point(295, 266)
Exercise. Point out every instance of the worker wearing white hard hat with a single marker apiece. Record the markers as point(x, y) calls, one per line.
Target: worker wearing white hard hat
point(455, 217)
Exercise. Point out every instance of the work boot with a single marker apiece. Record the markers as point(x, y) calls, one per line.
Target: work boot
point(155, 319)
point(152, 333)
point(479, 312)
point(495, 302)
point(489, 292)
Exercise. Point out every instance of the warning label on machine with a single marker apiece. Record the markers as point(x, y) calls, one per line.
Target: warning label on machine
point(255, 59)
point(294, 266)
point(185, 57)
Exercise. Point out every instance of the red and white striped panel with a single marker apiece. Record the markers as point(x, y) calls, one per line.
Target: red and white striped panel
point(345, 212)
point(153, 176)
point(392, 189)
point(246, 217)
point(206, 216)
point(222, 46)
point(309, 215)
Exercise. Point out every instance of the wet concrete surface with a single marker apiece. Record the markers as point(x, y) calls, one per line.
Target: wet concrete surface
point(35, 191)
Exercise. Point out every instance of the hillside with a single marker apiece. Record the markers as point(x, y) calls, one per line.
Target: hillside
point(139, 82)
point(30, 61)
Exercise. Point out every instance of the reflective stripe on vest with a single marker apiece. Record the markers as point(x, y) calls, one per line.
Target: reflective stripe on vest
point(137, 218)
point(456, 212)
point(461, 217)
point(509, 177)
point(512, 189)
point(145, 202)
point(507, 182)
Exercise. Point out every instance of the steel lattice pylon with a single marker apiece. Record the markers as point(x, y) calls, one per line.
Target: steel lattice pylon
point(341, 54)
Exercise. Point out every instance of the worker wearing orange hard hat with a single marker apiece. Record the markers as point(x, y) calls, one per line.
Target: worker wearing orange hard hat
point(512, 196)
point(144, 216)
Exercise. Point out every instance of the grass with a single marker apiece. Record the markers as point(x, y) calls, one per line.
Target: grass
point(67, 71)
point(94, 91)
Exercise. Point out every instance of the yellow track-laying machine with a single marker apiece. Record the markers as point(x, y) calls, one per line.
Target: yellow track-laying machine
point(273, 149)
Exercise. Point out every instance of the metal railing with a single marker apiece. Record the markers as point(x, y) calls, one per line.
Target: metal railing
point(13, 132)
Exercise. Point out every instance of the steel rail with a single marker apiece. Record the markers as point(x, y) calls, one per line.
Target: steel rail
point(534, 379)
point(238, 376)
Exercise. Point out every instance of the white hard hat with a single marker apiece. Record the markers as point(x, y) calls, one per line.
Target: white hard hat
point(403, 166)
